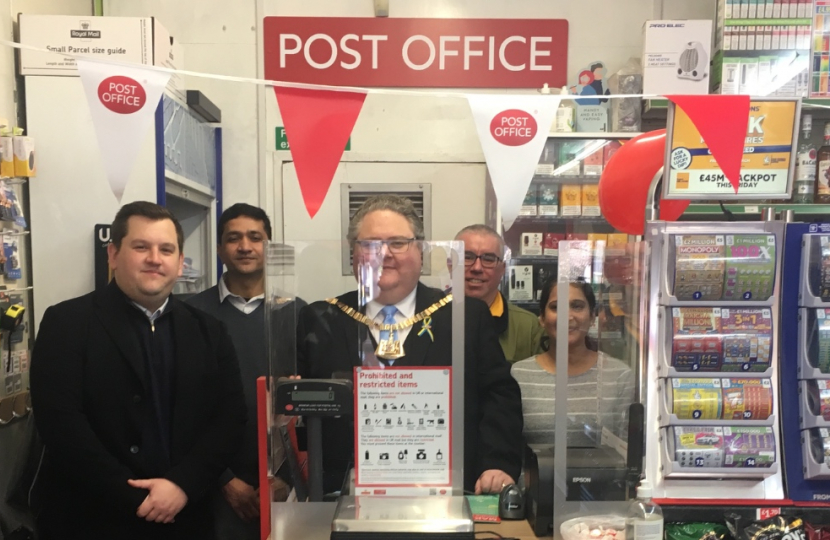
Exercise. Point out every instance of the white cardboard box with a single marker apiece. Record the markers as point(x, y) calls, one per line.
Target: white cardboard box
point(676, 56)
point(140, 40)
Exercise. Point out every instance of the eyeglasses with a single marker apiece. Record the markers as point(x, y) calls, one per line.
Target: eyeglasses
point(395, 245)
point(488, 260)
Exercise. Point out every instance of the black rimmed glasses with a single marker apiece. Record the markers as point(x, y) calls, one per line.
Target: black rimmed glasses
point(488, 260)
point(395, 245)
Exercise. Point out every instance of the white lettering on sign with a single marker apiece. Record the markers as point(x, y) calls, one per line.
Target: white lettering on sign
point(416, 52)
point(465, 48)
point(409, 62)
point(307, 51)
point(503, 47)
point(444, 51)
point(468, 52)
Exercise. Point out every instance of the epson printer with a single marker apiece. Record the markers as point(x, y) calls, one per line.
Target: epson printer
point(593, 474)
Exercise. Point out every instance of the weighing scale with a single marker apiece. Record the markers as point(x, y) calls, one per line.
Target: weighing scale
point(361, 517)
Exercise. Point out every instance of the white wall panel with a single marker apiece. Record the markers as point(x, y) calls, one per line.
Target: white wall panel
point(52, 7)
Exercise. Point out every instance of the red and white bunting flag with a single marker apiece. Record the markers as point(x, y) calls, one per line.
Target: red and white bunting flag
point(318, 124)
point(512, 130)
point(122, 101)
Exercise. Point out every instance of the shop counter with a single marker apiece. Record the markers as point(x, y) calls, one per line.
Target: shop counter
point(312, 521)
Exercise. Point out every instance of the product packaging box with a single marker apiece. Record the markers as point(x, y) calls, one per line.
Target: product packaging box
point(521, 283)
point(550, 244)
point(569, 165)
point(596, 238)
point(531, 203)
point(616, 244)
point(676, 56)
point(592, 164)
point(548, 200)
point(590, 200)
point(531, 244)
point(6, 156)
point(542, 272)
point(609, 150)
point(24, 156)
point(571, 200)
point(547, 161)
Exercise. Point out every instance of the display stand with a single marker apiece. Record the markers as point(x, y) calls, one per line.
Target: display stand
point(15, 290)
point(712, 367)
point(805, 376)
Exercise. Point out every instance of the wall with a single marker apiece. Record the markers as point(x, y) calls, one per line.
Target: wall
point(220, 40)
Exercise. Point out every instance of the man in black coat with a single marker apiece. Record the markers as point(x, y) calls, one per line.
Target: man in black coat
point(137, 397)
point(387, 230)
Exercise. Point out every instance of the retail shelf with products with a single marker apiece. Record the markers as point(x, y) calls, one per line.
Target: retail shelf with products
point(15, 289)
point(562, 204)
point(714, 210)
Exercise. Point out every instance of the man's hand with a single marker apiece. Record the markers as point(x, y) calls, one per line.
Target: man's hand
point(243, 498)
point(164, 501)
point(492, 480)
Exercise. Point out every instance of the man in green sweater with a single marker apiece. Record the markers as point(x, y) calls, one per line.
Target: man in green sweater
point(238, 301)
point(519, 330)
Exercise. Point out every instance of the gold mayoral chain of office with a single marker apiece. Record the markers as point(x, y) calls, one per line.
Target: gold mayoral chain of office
point(392, 348)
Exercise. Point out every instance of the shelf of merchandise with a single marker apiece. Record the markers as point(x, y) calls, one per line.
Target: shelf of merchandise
point(593, 220)
point(593, 134)
point(805, 209)
point(795, 21)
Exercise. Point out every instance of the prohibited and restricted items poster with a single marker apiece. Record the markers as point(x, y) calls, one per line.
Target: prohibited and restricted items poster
point(766, 168)
point(403, 431)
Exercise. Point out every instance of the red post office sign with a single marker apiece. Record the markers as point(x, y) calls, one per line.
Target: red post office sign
point(437, 53)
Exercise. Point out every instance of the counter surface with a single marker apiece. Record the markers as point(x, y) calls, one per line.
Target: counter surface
point(312, 521)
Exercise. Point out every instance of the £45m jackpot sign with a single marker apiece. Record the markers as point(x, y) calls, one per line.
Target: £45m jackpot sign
point(691, 172)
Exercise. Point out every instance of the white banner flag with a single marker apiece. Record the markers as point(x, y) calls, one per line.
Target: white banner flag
point(122, 101)
point(512, 130)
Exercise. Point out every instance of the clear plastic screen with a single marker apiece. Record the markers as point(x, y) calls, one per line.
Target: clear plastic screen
point(581, 387)
point(317, 329)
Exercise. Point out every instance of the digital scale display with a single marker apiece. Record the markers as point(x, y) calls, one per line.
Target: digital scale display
point(312, 395)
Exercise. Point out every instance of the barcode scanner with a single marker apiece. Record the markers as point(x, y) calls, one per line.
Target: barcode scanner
point(511, 502)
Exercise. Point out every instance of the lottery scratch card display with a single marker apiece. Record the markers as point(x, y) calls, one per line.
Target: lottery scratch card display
point(698, 399)
point(699, 267)
point(746, 399)
point(748, 447)
point(747, 339)
point(698, 446)
point(823, 327)
point(822, 395)
point(750, 266)
point(697, 343)
point(824, 272)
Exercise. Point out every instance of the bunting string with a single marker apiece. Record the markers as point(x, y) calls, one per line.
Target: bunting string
point(307, 86)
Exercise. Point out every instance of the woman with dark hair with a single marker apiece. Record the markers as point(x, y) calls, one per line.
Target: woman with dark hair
point(600, 388)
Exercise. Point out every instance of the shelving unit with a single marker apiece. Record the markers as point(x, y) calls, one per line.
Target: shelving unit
point(15, 288)
point(696, 450)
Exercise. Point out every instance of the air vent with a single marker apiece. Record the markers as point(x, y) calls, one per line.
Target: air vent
point(352, 196)
point(279, 259)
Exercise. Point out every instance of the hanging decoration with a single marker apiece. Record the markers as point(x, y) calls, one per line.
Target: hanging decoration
point(512, 130)
point(122, 101)
point(625, 181)
point(318, 124)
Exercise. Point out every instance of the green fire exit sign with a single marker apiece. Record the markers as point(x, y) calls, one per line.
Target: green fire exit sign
point(282, 140)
